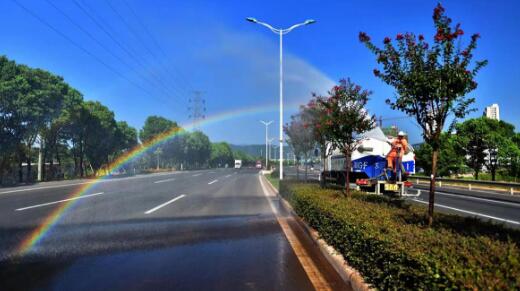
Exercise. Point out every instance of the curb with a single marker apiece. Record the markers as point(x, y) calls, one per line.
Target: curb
point(349, 275)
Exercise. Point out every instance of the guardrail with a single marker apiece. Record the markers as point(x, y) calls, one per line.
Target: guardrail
point(507, 187)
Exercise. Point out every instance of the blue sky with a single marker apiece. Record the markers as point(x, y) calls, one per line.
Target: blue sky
point(172, 48)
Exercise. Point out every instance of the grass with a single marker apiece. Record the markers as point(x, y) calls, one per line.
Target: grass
point(274, 181)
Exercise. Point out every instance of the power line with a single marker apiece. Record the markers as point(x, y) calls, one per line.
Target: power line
point(140, 40)
point(197, 109)
point(100, 43)
point(44, 22)
point(101, 26)
point(150, 35)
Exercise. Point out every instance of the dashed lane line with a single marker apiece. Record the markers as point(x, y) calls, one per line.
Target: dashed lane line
point(165, 203)
point(59, 201)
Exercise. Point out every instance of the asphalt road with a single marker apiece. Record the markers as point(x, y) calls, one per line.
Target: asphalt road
point(194, 230)
point(476, 203)
point(497, 211)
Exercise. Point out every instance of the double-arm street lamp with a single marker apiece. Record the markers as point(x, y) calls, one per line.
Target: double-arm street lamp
point(281, 32)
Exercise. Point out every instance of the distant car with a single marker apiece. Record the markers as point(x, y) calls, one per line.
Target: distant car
point(258, 165)
point(238, 164)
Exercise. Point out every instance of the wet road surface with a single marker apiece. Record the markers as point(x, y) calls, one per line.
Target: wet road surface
point(193, 230)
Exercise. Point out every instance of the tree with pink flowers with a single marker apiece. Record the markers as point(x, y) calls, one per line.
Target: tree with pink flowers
point(344, 119)
point(431, 81)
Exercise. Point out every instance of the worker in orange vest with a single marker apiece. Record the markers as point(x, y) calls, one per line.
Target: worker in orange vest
point(399, 148)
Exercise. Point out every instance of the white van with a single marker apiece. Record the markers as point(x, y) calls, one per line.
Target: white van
point(238, 164)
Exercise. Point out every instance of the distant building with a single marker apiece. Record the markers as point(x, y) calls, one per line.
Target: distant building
point(492, 112)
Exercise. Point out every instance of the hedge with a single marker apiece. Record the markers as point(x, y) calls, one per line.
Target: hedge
point(388, 243)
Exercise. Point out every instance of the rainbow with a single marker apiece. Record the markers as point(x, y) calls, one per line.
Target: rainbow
point(34, 237)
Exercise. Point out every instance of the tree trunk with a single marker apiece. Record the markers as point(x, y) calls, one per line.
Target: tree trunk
point(58, 159)
point(493, 173)
point(348, 161)
point(476, 175)
point(297, 171)
point(20, 170)
point(322, 172)
point(29, 169)
point(431, 199)
point(81, 172)
point(306, 167)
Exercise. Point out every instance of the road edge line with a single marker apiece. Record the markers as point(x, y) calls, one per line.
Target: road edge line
point(316, 278)
point(349, 275)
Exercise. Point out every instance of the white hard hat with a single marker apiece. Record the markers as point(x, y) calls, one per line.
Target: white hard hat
point(401, 133)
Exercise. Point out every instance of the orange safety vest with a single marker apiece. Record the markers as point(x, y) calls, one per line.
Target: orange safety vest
point(401, 144)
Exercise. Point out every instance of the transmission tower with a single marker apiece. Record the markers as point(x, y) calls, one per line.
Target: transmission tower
point(197, 109)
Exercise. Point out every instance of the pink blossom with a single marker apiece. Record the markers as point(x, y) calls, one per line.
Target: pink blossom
point(363, 37)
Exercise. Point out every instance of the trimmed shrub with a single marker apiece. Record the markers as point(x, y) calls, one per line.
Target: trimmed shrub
point(389, 244)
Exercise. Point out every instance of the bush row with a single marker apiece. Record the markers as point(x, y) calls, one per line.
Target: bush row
point(388, 243)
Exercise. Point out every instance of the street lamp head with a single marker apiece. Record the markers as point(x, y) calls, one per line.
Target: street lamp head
point(309, 21)
point(251, 19)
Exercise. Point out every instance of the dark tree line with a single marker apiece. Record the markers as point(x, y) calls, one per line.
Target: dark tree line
point(44, 118)
point(477, 145)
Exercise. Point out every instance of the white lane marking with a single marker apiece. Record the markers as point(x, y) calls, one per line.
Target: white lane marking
point(46, 187)
point(88, 182)
point(59, 201)
point(196, 175)
point(471, 212)
point(166, 180)
point(478, 198)
point(164, 204)
point(214, 181)
point(227, 176)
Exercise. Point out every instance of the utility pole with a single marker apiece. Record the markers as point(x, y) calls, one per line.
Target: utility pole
point(266, 123)
point(197, 109)
point(281, 32)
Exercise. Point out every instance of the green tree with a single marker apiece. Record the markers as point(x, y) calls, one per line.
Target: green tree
point(346, 118)
point(431, 82)
point(486, 143)
point(301, 139)
point(221, 154)
point(153, 127)
point(126, 137)
point(451, 162)
point(314, 116)
point(244, 157)
point(197, 149)
point(100, 135)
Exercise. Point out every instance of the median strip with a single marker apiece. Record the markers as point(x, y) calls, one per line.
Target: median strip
point(214, 181)
point(59, 201)
point(164, 204)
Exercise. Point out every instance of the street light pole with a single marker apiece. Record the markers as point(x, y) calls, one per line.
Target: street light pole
point(281, 32)
point(266, 123)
